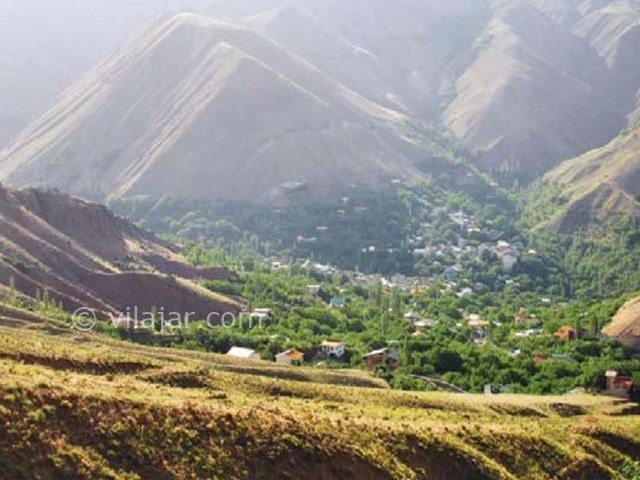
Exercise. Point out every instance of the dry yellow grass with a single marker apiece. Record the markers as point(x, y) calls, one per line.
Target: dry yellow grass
point(90, 407)
point(626, 323)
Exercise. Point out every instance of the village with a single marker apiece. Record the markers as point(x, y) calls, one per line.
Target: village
point(388, 358)
point(524, 326)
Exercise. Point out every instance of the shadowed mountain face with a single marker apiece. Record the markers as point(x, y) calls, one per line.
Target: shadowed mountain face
point(85, 256)
point(283, 96)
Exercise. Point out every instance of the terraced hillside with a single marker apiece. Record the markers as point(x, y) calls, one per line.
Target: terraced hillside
point(80, 406)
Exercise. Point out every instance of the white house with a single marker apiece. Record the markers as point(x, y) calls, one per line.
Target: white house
point(261, 314)
point(332, 348)
point(477, 324)
point(507, 255)
point(277, 265)
point(244, 353)
point(425, 323)
point(465, 292)
point(412, 317)
point(474, 317)
point(314, 289)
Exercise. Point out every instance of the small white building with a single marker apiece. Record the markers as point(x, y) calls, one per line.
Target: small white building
point(314, 289)
point(412, 317)
point(474, 317)
point(465, 292)
point(332, 348)
point(507, 255)
point(426, 323)
point(244, 353)
point(277, 265)
point(261, 314)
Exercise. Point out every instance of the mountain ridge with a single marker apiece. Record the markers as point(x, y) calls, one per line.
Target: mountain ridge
point(86, 257)
point(358, 93)
point(201, 113)
point(597, 185)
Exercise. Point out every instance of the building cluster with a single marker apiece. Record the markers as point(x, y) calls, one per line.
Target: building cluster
point(329, 349)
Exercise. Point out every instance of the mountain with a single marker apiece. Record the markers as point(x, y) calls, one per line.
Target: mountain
point(85, 256)
point(596, 185)
point(613, 30)
point(314, 96)
point(166, 115)
point(524, 104)
point(522, 84)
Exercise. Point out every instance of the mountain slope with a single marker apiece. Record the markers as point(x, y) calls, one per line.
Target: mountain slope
point(525, 104)
point(414, 48)
point(598, 184)
point(121, 131)
point(84, 256)
point(308, 37)
point(172, 413)
point(46, 46)
point(625, 325)
point(522, 84)
point(613, 29)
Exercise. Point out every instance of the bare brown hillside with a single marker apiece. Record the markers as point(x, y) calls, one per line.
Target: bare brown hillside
point(207, 109)
point(626, 324)
point(268, 97)
point(47, 46)
point(524, 84)
point(85, 256)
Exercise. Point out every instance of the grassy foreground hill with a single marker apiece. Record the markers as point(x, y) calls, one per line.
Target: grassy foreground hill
point(79, 406)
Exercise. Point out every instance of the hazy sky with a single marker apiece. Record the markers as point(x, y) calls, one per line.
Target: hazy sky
point(47, 44)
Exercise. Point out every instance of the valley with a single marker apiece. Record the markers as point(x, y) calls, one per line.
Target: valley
point(320, 239)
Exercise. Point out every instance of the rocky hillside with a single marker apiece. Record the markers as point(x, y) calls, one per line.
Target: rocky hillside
point(290, 96)
point(524, 84)
point(85, 256)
